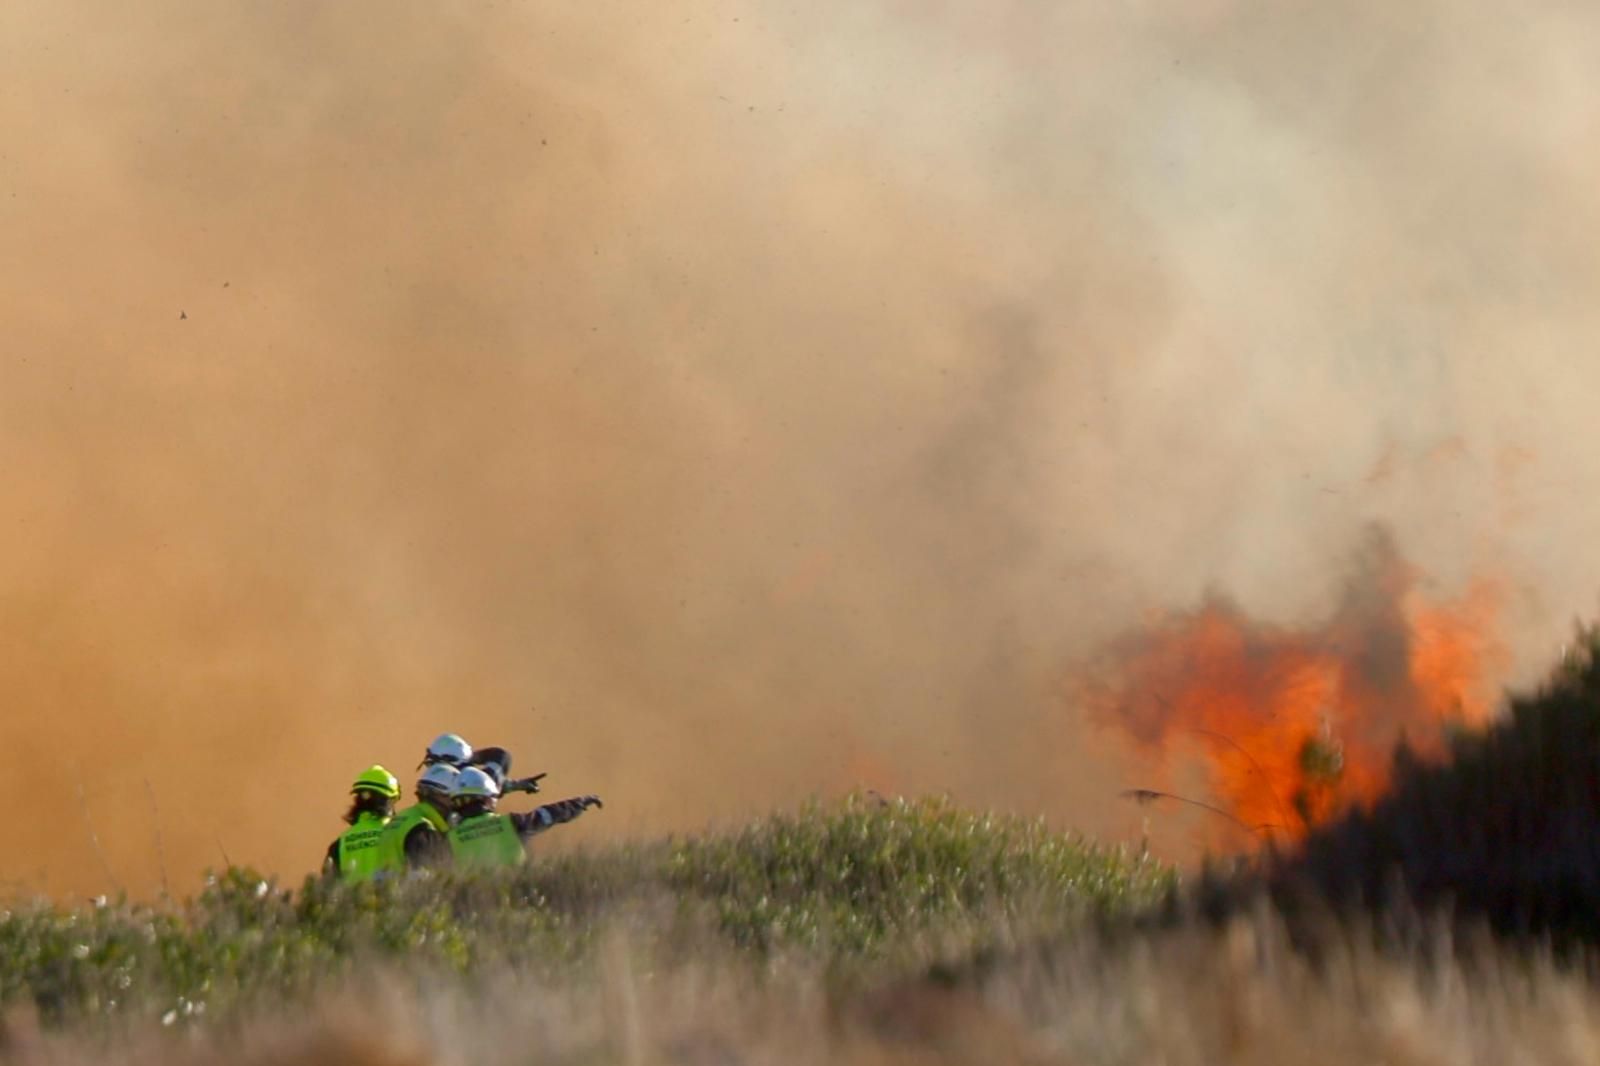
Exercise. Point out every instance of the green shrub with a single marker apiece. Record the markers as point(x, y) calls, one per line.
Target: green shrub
point(854, 883)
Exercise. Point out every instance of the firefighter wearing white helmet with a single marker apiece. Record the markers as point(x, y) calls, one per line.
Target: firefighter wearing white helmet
point(483, 838)
point(415, 838)
point(453, 749)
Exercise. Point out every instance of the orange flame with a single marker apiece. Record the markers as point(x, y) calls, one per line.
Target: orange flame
point(1294, 726)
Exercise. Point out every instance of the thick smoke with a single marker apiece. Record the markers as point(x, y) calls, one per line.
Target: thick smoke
point(722, 402)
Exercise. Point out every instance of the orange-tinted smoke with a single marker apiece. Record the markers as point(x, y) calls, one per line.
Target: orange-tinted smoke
point(722, 401)
point(1295, 724)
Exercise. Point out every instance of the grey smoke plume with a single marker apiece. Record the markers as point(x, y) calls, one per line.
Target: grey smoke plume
point(720, 402)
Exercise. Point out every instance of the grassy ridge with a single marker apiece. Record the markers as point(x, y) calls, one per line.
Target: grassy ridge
point(858, 884)
point(935, 934)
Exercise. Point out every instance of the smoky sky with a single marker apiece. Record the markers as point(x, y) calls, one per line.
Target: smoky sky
point(722, 403)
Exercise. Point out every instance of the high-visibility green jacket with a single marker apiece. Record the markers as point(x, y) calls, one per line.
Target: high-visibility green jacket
point(358, 853)
point(420, 817)
point(485, 841)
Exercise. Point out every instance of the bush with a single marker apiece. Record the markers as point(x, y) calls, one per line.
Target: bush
point(858, 883)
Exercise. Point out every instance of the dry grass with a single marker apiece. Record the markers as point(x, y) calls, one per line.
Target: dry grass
point(1238, 995)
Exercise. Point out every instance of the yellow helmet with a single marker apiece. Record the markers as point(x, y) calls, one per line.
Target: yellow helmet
point(376, 779)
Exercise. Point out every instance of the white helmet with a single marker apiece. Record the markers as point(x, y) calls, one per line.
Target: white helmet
point(448, 748)
point(439, 778)
point(473, 783)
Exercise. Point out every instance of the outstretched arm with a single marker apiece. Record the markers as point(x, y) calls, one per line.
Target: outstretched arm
point(552, 814)
point(497, 757)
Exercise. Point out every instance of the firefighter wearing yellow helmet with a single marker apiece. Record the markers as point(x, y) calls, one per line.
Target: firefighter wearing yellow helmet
point(484, 838)
point(357, 854)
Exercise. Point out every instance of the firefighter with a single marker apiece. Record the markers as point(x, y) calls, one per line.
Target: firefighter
point(415, 838)
point(451, 748)
point(357, 854)
point(482, 837)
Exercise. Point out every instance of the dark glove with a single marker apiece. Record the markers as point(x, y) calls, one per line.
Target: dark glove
point(523, 784)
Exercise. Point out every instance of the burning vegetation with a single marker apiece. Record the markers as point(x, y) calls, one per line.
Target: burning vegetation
point(1294, 726)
